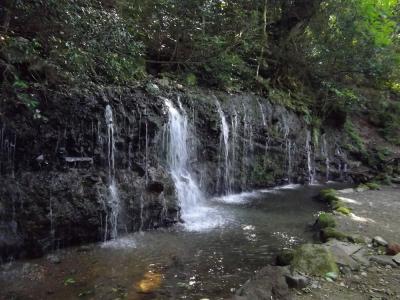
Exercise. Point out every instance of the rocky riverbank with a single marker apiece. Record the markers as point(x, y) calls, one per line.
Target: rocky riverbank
point(359, 259)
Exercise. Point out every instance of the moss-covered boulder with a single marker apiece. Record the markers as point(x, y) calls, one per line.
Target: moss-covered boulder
point(329, 233)
point(343, 210)
point(373, 186)
point(285, 257)
point(329, 196)
point(314, 260)
point(325, 220)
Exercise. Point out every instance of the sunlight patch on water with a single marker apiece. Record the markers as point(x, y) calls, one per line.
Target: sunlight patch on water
point(348, 200)
point(360, 219)
point(150, 282)
point(249, 232)
point(286, 238)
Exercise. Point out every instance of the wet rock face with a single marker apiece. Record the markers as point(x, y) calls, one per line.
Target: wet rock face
point(267, 145)
point(55, 171)
point(55, 164)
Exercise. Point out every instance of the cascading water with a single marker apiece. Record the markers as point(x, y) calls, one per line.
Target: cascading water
point(224, 140)
point(264, 120)
point(113, 198)
point(235, 125)
point(195, 214)
point(325, 153)
point(289, 158)
point(310, 165)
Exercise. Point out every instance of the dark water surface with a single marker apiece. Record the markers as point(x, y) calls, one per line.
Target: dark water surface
point(175, 263)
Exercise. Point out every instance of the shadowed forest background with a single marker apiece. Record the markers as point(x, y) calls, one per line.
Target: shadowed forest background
point(324, 59)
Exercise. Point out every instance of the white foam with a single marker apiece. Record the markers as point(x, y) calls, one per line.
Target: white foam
point(120, 243)
point(290, 186)
point(237, 198)
point(204, 219)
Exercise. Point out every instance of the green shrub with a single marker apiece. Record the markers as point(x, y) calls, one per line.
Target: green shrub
point(356, 143)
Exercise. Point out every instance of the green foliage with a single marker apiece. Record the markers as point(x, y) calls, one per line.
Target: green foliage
point(385, 114)
point(21, 90)
point(69, 281)
point(83, 40)
point(191, 79)
point(312, 66)
point(356, 143)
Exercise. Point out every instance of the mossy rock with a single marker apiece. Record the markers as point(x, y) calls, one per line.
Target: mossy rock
point(285, 258)
point(343, 210)
point(331, 233)
point(373, 186)
point(329, 196)
point(326, 220)
point(337, 203)
point(314, 260)
point(153, 89)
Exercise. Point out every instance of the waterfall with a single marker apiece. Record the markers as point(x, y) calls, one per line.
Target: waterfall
point(289, 158)
point(194, 213)
point(264, 120)
point(224, 140)
point(235, 125)
point(325, 153)
point(113, 198)
point(146, 153)
point(310, 165)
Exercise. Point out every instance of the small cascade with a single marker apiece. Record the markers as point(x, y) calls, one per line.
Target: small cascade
point(51, 217)
point(289, 159)
point(243, 178)
point(8, 142)
point(141, 212)
point(113, 198)
point(194, 213)
point(310, 164)
point(234, 143)
point(224, 141)
point(146, 152)
point(164, 211)
point(264, 120)
point(285, 129)
point(325, 154)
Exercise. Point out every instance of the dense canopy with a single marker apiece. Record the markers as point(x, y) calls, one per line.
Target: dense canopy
point(312, 56)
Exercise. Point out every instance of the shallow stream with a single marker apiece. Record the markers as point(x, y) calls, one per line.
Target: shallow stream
point(245, 233)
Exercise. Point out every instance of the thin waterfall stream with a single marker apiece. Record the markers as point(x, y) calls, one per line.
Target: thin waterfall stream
point(113, 198)
point(224, 142)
